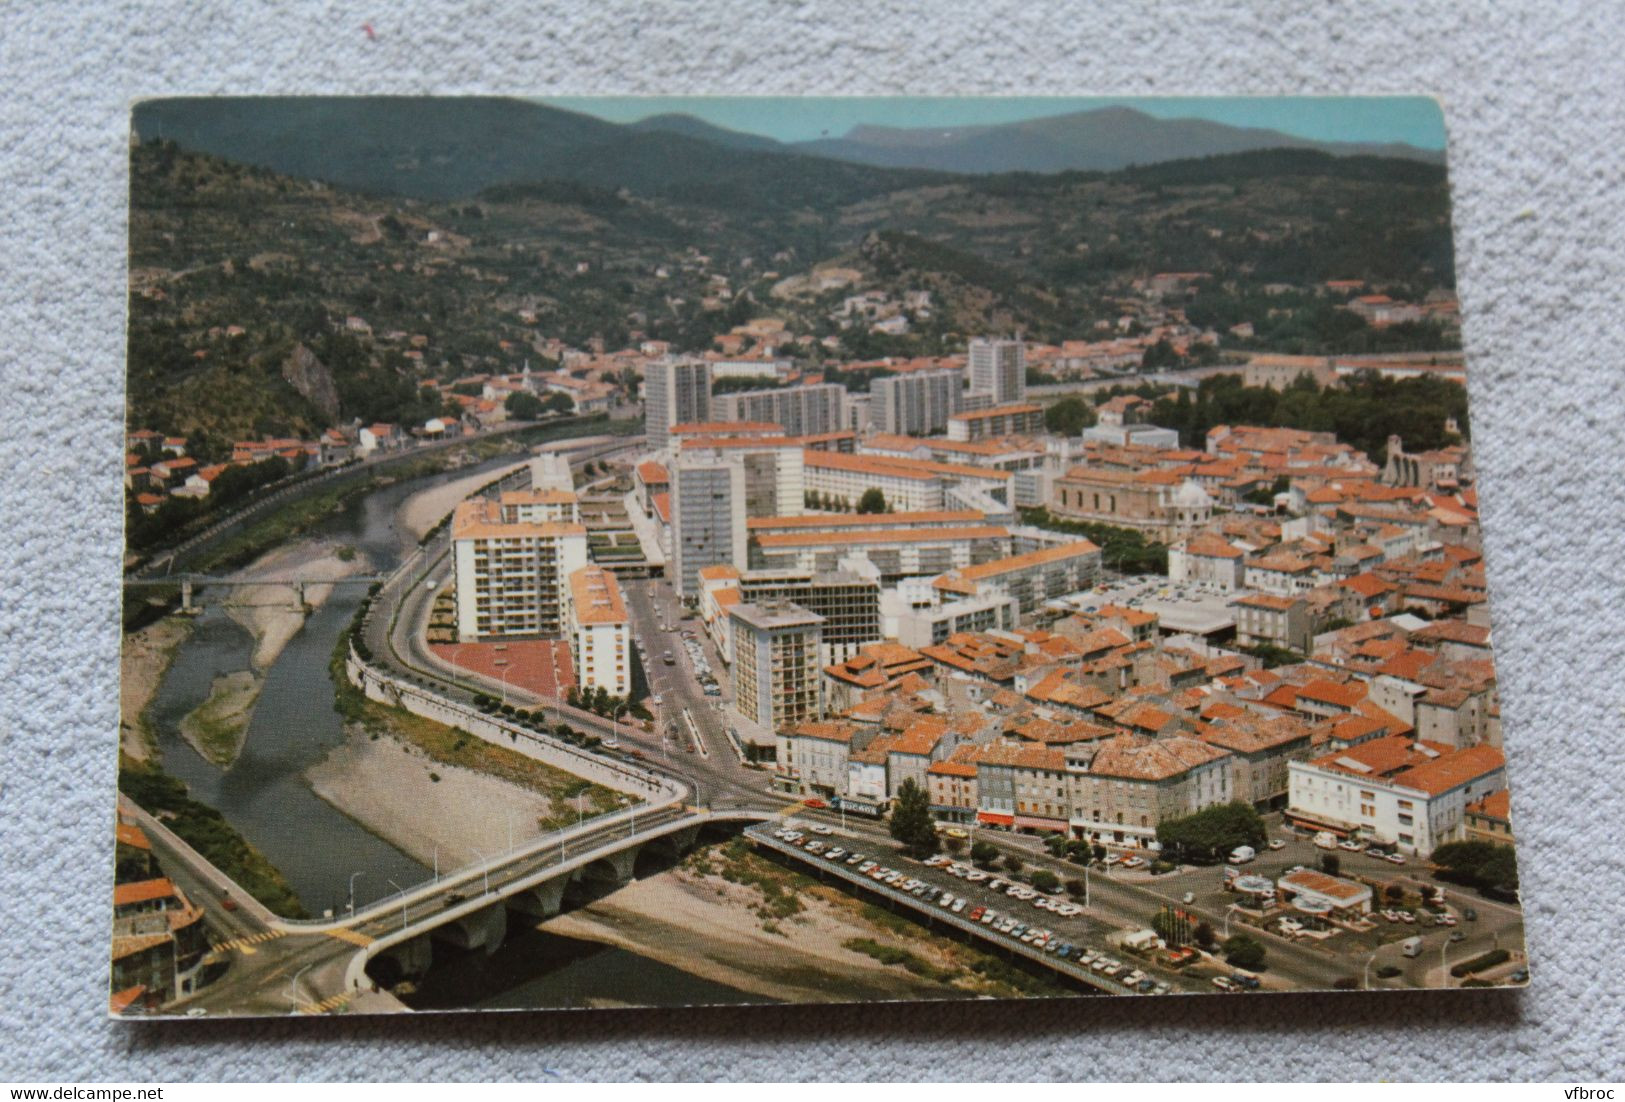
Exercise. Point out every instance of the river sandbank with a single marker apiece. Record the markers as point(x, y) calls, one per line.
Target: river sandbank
point(714, 928)
point(216, 727)
point(426, 508)
point(424, 807)
point(144, 657)
point(272, 613)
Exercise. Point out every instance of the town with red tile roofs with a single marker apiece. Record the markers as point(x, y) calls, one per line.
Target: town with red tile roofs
point(1148, 662)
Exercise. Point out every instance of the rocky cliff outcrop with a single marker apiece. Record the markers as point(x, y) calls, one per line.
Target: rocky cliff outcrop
point(310, 377)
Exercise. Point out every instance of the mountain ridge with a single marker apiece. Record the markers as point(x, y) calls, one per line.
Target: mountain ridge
point(1100, 139)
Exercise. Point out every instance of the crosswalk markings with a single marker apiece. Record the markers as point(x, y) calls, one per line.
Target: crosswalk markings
point(329, 1004)
point(245, 944)
point(344, 933)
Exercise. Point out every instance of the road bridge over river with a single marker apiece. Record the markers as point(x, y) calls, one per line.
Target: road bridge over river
point(280, 965)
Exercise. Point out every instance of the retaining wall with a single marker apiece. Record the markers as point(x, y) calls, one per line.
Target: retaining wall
point(657, 791)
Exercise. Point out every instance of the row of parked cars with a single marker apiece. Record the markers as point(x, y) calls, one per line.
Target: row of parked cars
point(1010, 925)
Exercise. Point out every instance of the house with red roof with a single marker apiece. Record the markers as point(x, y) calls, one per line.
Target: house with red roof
point(1411, 794)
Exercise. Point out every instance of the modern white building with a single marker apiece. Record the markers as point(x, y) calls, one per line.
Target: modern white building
point(908, 485)
point(707, 518)
point(1019, 419)
point(1412, 795)
point(1032, 578)
point(998, 368)
point(675, 392)
point(512, 575)
point(894, 552)
point(777, 669)
point(916, 404)
point(775, 476)
point(1208, 559)
point(802, 410)
point(538, 506)
point(917, 616)
point(599, 632)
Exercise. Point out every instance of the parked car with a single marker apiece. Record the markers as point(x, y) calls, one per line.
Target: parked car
point(1225, 983)
point(1277, 843)
point(1394, 858)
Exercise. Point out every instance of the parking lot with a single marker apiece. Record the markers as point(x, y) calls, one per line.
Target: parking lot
point(1006, 912)
point(1462, 925)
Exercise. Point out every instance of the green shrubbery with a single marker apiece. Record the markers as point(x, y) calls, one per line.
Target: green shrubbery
point(206, 830)
point(1211, 833)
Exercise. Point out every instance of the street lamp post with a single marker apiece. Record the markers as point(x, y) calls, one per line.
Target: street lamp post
point(353, 875)
point(401, 893)
point(485, 867)
point(293, 985)
point(1365, 973)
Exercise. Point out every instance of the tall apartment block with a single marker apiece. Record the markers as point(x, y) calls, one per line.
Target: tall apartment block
point(802, 410)
point(775, 475)
point(916, 404)
point(707, 518)
point(512, 575)
point(675, 392)
point(777, 663)
point(998, 368)
point(599, 632)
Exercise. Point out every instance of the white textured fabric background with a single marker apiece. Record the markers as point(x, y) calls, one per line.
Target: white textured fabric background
point(1532, 101)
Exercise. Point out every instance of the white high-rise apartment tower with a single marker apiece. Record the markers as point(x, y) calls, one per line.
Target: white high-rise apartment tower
point(998, 367)
point(675, 392)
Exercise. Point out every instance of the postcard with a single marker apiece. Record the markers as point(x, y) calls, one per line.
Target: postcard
point(593, 553)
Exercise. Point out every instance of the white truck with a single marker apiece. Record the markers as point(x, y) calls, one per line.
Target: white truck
point(1242, 854)
point(1411, 946)
point(1325, 840)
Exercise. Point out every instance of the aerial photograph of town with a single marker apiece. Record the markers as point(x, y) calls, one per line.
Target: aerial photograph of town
point(591, 553)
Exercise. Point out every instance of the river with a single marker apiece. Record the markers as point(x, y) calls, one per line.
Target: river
point(264, 795)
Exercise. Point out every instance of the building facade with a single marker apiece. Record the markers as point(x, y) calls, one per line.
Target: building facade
point(1013, 420)
point(998, 368)
point(512, 576)
point(1411, 795)
point(778, 680)
point(916, 404)
point(599, 632)
point(707, 519)
point(802, 410)
point(675, 392)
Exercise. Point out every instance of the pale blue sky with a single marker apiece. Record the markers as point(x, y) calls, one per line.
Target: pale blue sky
point(1413, 119)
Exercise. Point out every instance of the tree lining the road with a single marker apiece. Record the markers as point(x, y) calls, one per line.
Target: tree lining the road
point(911, 822)
point(1211, 833)
point(1487, 866)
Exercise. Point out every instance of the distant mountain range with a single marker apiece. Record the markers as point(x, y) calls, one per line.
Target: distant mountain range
point(1100, 140)
point(456, 147)
point(428, 147)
